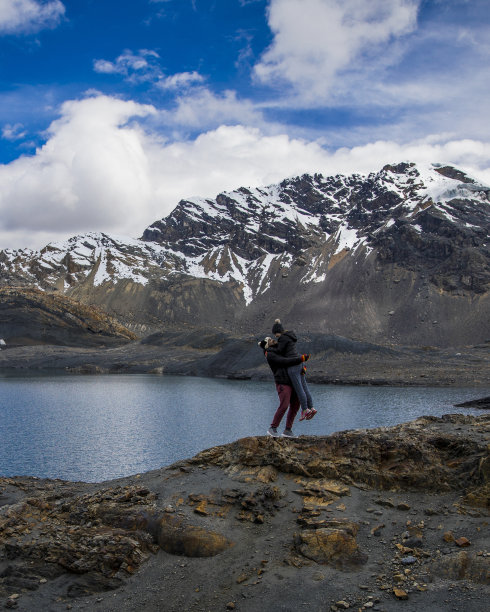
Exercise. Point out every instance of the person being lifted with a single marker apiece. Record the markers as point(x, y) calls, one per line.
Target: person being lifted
point(286, 347)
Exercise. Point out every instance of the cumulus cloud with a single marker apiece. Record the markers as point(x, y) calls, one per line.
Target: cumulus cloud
point(315, 41)
point(392, 71)
point(99, 170)
point(29, 15)
point(91, 171)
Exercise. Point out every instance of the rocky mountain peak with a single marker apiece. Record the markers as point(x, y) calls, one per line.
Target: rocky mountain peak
point(347, 212)
point(400, 238)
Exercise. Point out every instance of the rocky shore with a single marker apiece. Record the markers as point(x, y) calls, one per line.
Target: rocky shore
point(214, 353)
point(385, 519)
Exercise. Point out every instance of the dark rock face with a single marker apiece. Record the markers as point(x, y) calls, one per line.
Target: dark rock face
point(400, 256)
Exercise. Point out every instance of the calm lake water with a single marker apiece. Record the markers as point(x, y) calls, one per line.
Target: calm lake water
point(95, 428)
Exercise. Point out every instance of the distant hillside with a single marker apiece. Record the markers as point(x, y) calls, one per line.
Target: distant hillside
point(30, 316)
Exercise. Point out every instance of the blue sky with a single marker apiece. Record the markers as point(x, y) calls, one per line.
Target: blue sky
point(110, 112)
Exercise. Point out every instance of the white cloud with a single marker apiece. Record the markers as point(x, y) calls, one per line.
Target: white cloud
point(29, 15)
point(100, 170)
point(91, 171)
point(203, 109)
point(316, 41)
point(140, 66)
point(144, 66)
point(13, 132)
point(180, 80)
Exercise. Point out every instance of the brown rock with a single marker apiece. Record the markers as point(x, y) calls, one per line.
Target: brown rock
point(267, 474)
point(376, 530)
point(189, 541)
point(448, 536)
point(400, 593)
point(241, 578)
point(334, 547)
point(462, 542)
point(201, 508)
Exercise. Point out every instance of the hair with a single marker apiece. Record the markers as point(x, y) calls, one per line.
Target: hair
point(264, 344)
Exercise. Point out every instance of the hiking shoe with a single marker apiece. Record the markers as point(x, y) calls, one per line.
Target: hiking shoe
point(272, 431)
point(310, 413)
point(288, 433)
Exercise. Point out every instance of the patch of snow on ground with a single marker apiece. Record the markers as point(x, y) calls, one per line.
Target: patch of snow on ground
point(346, 238)
point(261, 268)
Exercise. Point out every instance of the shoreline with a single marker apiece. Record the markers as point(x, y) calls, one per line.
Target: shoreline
point(241, 360)
point(361, 382)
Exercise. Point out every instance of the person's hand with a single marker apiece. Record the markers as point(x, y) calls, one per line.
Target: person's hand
point(305, 357)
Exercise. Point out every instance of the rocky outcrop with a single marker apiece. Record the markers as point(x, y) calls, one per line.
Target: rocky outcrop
point(349, 520)
point(483, 403)
point(404, 457)
point(31, 316)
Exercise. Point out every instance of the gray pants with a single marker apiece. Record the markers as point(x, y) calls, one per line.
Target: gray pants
point(298, 381)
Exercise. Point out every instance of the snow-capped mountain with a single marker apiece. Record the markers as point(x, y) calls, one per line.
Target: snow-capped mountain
point(344, 253)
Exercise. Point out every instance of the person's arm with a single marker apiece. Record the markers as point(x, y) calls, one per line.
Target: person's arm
point(285, 362)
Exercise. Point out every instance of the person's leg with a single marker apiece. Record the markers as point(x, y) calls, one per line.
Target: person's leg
point(293, 410)
point(294, 373)
point(304, 384)
point(284, 393)
point(311, 411)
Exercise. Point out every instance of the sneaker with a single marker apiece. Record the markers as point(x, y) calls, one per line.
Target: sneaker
point(272, 431)
point(310, 413)
point(304, 414)
point(288, 433)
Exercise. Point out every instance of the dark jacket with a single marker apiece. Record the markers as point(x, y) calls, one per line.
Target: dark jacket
point(279, 366)
point(286, 344)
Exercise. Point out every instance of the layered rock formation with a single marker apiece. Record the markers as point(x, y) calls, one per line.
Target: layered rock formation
point(400, 256)
point(30, 316)
point(358, 519)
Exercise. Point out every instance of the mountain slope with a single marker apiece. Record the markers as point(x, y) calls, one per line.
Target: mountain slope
point(30, 316)
point(398, 256)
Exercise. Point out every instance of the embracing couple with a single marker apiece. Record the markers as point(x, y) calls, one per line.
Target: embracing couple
point(290, 377)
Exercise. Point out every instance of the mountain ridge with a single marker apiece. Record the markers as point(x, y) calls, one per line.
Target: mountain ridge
point(342, 254)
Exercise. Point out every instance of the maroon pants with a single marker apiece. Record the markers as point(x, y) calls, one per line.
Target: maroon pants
point(287, 398)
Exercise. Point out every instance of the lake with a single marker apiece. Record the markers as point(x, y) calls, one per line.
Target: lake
point(95, 428)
